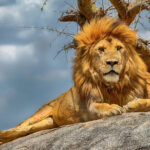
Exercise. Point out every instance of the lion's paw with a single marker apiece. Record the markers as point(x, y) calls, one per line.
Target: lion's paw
point(110, 110)
point(138, 105)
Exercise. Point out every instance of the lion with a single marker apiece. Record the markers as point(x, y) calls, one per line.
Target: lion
point(109, 77)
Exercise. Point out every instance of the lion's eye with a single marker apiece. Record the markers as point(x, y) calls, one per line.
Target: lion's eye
point(101, 49)
point(118, 48)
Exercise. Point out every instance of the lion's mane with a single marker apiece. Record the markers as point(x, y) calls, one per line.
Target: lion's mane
point(84, 75)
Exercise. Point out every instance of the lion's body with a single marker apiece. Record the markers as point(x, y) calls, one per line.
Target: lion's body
point(109, 76)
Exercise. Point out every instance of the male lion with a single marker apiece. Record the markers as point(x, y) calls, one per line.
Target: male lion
point(109, 78)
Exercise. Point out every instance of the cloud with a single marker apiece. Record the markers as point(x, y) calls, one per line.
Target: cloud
point(7, 2)
point(7, 14)
point(30, 2)
point(3, 103)
point(14, 53)
point(29, 75)
point(4, 97)
point(53, 75)
point(25, 34)
point(8, 53)
point(24, 13)
point(145, 35)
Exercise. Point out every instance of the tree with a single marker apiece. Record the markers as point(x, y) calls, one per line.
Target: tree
point(128, 11)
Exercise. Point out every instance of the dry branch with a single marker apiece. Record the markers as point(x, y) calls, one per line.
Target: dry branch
point(68, 18)
point(120, 6)
point(72, 16)
point(87, 8)
point(139, 5)
point(136, 7)
point(128, 11)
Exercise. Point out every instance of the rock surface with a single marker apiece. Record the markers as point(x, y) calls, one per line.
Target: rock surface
point(129, 131)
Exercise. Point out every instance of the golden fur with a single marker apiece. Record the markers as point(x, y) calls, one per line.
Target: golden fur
point(86, 78)
point(109, 78)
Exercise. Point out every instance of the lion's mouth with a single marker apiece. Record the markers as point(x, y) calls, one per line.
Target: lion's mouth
point(111, 72)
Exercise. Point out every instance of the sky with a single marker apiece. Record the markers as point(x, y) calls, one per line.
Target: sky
point(30, 75)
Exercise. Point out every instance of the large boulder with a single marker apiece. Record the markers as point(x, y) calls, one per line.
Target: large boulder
point(130, 131)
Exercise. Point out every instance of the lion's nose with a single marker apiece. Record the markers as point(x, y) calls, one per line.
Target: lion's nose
point(111, 63)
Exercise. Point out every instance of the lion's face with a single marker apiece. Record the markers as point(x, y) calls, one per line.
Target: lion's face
point(109, 59)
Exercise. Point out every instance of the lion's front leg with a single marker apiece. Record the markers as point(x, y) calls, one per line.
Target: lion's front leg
point(139, 105)
point(103, 110)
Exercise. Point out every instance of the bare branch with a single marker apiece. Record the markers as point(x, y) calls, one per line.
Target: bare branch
point(120, 6)
point(71, 12)
point(71, 45)
point(87, 8)
point(49, 29)
point(136, 7)
point(128, 11)
point(72, 16)
point(42, 8)
point(68, 18)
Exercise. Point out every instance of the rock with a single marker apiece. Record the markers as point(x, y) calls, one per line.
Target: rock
point(130, 131)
